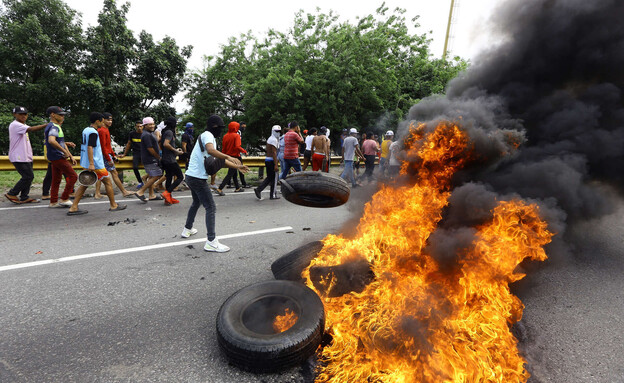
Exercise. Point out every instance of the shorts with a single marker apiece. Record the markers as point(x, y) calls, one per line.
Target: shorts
point(101, 173)
point(153, 170)
point(110, 167)
point(307, 154)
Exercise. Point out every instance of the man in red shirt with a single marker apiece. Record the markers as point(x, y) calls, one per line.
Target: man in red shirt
point(231, 146)
point(109, 157)
point(370, 148)
point(292, 140)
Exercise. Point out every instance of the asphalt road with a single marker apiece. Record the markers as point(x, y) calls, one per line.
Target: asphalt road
point(121, 311)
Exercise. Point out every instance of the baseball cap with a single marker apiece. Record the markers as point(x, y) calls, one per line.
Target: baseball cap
point(389, 133)
point(276, 128)
point(55, 110)
point(353, 130)
point(305, 131)
point(189, 125)
point(20, 110)
point(148, 120)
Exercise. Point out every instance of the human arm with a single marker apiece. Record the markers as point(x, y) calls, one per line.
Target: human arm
point(230, 161)
point(358, 152)
point(127, 148)
point(271, 151)
point(35, 128)
point(154, 153)
point(54, 143)
point(90, 155)
point(167, 145)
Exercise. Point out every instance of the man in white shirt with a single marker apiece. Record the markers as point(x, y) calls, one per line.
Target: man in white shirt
point(350, 148)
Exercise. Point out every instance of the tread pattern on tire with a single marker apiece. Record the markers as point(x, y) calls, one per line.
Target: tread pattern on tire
point(291, 265)
point(273, 352)
point(316, 189)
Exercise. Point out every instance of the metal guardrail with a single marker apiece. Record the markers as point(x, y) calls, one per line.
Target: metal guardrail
point(40, 163)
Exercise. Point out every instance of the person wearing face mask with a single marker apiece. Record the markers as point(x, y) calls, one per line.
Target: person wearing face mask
point(231, 145)
point(169, 160)
point(187, 142)
point(270, 162)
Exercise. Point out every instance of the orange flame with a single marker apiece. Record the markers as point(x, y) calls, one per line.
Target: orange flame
point(284, 322)
point(415, 322)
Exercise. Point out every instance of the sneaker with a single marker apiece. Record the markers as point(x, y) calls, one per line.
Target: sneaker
point(188, 232)
point(276, 197)
point(258, 193)
point(215, 246)
point(55, 205)
point(173, 200)
point(213, 186)
point(139, 186)
point(167, 197)
point(65, 203)
point(219, 192)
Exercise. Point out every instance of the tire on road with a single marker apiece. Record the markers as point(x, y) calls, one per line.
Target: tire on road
point(291, 265)
point(315, 189)
point(245, 326)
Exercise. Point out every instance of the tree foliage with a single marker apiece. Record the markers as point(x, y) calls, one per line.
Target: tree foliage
point(322, 72)
point(48, 59)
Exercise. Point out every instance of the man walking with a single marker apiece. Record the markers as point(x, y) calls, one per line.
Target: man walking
point(187, 143)
point(59, 157)
point(350, 148)
point(307, 153)
point(320, 151)
point(109, 157)
point(231, 146)
point(196, 179)
point(21, 156)
point(134, 143)
point(91, 158)
point(370, 148)
point(292, 140)
point(169, 160)
point(150, 156)
point(385, 152)
point(270, 163)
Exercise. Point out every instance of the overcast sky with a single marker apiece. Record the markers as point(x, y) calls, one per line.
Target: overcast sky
point(207, 24)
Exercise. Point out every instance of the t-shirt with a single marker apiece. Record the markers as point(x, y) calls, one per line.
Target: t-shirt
point(54, 130)
point(369, 147)
point(196, 162)
point(168, 156)
point(394, 150)
point(189, 142)
point(280, 149)
point(385, 148)
point(148, 141)
point(105, 143)
point(349, 144)
point(135, 138)
point(19, 143)
point(273, 142)
point(308, 142)
point(90, 138)
point(291, 145)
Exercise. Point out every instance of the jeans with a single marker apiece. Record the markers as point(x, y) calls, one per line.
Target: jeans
point(22, 187)
point(280, 158)
point(270, 179)
point(347, 173)
point(200, 191)
point(136, 161)
point(370, 165)
point(172, 170)
point(290, 163)
point(62, 168)
point(230, 174)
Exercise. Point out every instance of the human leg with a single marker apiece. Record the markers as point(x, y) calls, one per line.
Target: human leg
point(57, 175)
point(136, 161)
point(115, 177)
point(22, 187)
point(201, 195)
point(47, 182)
point(70, 180)
point(77, 198)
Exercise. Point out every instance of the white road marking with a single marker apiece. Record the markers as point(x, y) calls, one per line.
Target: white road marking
point(136, 249)
point(105, 200)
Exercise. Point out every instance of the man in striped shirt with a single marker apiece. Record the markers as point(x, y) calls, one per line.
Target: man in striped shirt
point(292, 139)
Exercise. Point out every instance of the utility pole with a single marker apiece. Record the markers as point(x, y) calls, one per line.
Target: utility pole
point(448, 30)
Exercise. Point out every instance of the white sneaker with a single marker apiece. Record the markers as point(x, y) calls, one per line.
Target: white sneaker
point(65, 203)
point(215, 246)
point(188, 232)
point(55, 205)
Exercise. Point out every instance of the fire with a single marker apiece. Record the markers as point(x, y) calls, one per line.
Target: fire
point(284, 322)
point(415, 322)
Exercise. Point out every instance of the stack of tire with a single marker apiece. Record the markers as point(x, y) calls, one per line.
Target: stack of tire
point(244, 322)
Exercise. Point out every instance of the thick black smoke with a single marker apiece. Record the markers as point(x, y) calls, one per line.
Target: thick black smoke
point(556, 80)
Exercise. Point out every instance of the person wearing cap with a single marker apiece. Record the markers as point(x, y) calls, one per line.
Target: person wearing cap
point(292, 140)
point(187, 143)
point(134, 143)
point(21, 156)
point(197, 181)
point(369, 148)
point(350, 148)
point(270, 162)
point(59, 157)
point(385, 151)
point(150, 156)
point(109, 157)
point(91, 158)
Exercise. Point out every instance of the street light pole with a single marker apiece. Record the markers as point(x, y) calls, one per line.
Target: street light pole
point(448, 29)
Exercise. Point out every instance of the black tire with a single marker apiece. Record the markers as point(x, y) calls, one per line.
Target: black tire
point(244, 326)
point(291, 265)
point(315, 189)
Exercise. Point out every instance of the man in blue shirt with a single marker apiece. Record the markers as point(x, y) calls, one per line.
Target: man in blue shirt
point(59, 157)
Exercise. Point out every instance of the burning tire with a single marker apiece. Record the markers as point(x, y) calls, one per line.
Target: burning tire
point(270, 325)
point(291, 265)
point(315, 189)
